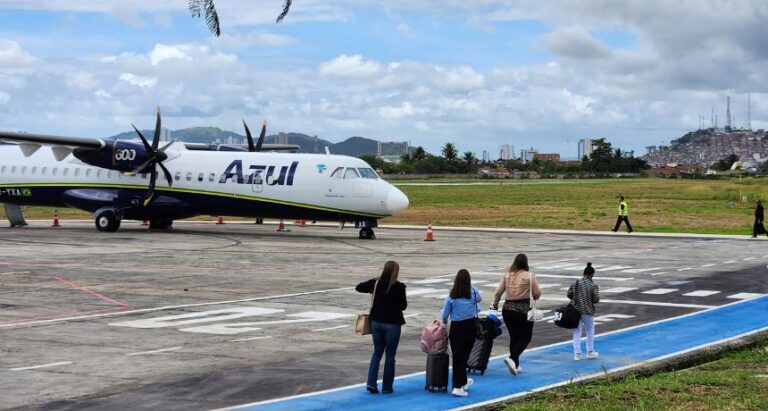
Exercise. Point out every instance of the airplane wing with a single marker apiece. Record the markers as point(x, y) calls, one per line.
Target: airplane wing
point(61, 146)
point(239, 147)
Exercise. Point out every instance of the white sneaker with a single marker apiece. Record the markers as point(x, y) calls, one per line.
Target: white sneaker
point(519, 369)
point(459, 392)
point(511, 365)
point(469, 382)
point(592, 355)
point(577, 356)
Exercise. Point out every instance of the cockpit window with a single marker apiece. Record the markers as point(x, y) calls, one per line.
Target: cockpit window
point(350, 173)
point(338, 172)
point(367, 173)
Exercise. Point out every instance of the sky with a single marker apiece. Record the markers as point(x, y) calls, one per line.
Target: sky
point(478, 73)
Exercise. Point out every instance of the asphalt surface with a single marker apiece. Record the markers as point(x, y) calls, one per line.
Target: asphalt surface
point(207, 316)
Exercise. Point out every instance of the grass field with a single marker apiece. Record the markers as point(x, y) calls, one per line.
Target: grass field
point(738, 381)
point(656, 205)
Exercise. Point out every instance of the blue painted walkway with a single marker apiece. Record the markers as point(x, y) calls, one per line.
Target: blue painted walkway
point(551, 365)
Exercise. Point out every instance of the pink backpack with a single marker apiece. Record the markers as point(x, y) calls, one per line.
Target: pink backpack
point(434, 338)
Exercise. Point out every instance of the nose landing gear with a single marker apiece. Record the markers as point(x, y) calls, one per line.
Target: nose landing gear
point(366, 229)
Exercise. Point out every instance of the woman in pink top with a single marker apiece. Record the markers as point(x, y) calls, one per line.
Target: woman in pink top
point(518, 284)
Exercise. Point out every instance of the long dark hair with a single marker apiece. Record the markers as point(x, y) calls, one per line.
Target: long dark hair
point(389, 274)
point(520, 264)
point(462, 285)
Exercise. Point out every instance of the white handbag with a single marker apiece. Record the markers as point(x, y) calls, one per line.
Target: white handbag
point(534, 314)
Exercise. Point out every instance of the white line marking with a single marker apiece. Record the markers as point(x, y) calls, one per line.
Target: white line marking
point(618, 289)
point(743, 296)
point(563, 343)
point(154, 351)
point(263, 337)
point(641, 270)
point(707, 265)
point(544, 285)
point(659, 291)
point(419, 291)
point(576, 277)
point(34, 367)
point(634, 302)
point(749, 258)
point(685, 269)
point(701, 293)
point(412, 315)
point(663, 272)
point(730, 262)
point(172, 307)
point(332, 328)
point(429, 281)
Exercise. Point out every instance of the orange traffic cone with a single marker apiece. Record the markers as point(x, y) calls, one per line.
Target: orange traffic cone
point(220, 220)
point(430, 234)
point(281, 226)
point(56, 219)
point(302, 223)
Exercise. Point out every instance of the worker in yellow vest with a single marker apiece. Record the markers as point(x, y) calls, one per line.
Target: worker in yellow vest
point(623, 216)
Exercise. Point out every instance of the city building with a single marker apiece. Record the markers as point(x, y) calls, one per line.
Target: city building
point(282, 138)
point(585, 148)
point(527, 154)
point(506, 152)
point(486, 156)
point(547, 157)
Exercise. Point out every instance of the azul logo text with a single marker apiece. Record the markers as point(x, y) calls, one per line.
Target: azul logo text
point(259, 174)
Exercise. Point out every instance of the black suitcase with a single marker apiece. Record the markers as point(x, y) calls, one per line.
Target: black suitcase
point(437, 373)
point(481, 353)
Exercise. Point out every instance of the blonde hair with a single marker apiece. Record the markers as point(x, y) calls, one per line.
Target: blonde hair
point(390, 273)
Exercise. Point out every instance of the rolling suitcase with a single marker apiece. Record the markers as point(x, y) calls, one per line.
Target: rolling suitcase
point(481, 353)
point(437, 373)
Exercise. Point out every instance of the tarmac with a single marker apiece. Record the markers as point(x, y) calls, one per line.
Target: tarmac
point(209, 316)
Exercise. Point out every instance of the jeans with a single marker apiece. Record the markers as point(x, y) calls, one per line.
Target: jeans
point(587, 323)
point(385, 339)
point(520, 333)
point(462, 338)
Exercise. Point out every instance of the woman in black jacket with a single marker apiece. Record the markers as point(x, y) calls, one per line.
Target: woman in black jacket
point(386, 319)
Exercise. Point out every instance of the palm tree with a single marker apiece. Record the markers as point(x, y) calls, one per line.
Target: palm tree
point(470, 159)
point(206, 8)
point(449, 151)
point(419, 154)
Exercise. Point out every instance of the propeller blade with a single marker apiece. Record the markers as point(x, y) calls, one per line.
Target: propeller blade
point(261, 136)
point(141, 167)
point(151, 191)
point(162, 149)
point(156, 139)
point(167, 174)
point(143, 140)
point(248, 135)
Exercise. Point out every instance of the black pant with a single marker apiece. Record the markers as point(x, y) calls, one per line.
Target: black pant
point(520, 333)
point(462, 338)
point(624, 218)
point(758, 228)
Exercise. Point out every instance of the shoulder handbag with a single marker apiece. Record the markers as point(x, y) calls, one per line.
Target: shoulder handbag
point(567, 316)
point(534, 314)
point(363, 322)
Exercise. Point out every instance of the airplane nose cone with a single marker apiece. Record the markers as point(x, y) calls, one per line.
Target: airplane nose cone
point(396, 201)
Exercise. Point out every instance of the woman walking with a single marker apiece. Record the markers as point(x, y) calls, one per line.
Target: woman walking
point(584, 293)
point(518, 285)
point(386, 319)
point(461, 306)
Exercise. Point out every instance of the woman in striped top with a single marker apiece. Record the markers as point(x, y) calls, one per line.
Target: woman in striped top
point(584, 294)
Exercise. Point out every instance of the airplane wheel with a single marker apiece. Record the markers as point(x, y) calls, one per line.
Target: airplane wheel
point(161, 224)
point(367, 234)
point(107, 221)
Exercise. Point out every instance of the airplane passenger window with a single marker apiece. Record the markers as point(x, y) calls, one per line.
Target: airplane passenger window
point(211, 177)
point(200, 177)
point(44, 171)
point(367, 173)
point(109, 174)
point(87, 172)
point(350, 173)
point(54, 170)
point(65, 172)
point(13, 170)
point(24, 170)
point(77, 172)
point(338, 172)
point(98, 173)
point(177, 177)
point(189, 176)
point(33, 171)
point(2, 170)
point(144, 176)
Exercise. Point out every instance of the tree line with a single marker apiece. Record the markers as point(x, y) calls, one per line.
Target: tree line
point(604, 159)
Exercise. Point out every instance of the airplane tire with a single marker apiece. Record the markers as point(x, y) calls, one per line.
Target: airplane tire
point(107, 221)
point(161, 224)
point(366, 233)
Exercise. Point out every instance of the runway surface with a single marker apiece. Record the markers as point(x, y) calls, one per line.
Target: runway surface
point(208, 316)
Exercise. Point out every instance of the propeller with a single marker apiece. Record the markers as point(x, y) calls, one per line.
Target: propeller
point(156, 158)
point(260, 141)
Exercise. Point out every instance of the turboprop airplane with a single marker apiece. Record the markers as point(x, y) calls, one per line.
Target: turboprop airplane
point(117, 179)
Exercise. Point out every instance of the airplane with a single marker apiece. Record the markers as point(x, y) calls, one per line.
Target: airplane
point(118, 179)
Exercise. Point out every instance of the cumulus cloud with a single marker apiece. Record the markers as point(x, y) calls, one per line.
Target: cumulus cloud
point(12, 55)
point(252, 39)
point(350, 66)
point(574, 42)
point(138, 81)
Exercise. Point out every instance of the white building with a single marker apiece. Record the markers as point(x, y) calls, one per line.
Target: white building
point(527, 154)
point(585, 148)
point(507, 152)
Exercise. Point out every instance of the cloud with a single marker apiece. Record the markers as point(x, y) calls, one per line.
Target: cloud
point(252, 39)
point(12, 55)
point(404, 29)
point(350, 66)
point(164, 52)
point(4, 97)
point(138, 81)
point(574, 42)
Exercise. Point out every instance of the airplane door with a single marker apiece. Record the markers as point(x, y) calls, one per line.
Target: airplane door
point(258, 182)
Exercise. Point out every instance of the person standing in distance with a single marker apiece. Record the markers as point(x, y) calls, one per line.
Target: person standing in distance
point(386, 320)
point(623, 216)
point(461, 306)
point(584, 294)
point(758, 227)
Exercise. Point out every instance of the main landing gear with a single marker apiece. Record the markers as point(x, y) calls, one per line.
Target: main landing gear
point(107, 220)
point(161, 224)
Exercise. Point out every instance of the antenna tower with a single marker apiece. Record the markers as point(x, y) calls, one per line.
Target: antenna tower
point(749, 113)
point(728, 120)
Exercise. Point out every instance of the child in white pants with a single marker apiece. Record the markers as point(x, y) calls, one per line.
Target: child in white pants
point(587, 323)
point(584, 293)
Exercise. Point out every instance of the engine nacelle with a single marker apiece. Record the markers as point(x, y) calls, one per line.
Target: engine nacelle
point(115, 155)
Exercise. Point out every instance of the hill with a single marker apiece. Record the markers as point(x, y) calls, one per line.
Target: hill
point(353, 146)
